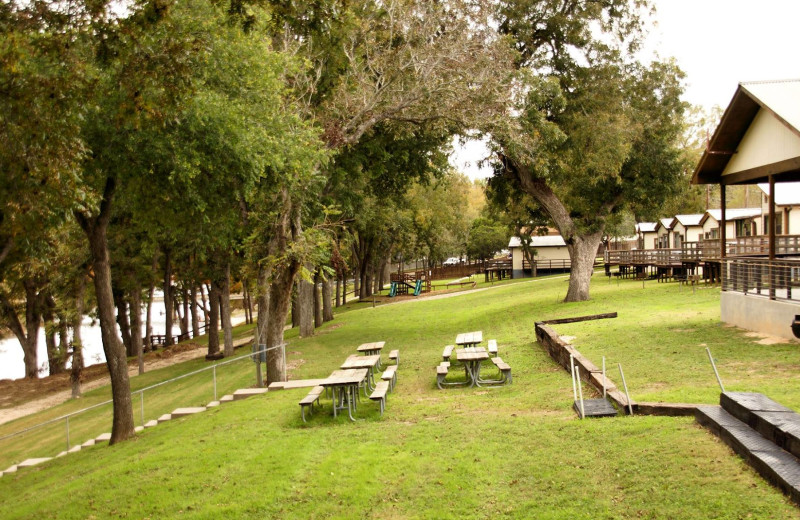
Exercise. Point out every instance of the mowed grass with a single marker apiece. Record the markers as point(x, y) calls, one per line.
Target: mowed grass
point(507, 452)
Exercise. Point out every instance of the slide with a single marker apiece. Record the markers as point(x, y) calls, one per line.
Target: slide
point(393, 290)
point(418, 288)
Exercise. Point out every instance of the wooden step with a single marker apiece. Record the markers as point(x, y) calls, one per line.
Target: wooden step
point(776, 465)
point(774, 421)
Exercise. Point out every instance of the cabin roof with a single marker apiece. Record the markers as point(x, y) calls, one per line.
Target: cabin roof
point(779, 98)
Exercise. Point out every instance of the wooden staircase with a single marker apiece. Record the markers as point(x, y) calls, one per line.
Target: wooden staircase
point(765, 433)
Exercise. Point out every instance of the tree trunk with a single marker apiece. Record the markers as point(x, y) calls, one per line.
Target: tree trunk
point(327, 307)
point(263, 304)
point(344, 289)
point(63, 342)
point(213, 322)
point(168, 294)
point(357, 283)
point(295, 306)
point(122, 321)
point(338, 291)
point(582, 253)
point(193, 311)
point(225, 310)
point(136, 326)
point(28, 336)
point(185, 317)
point(204, 302)
point(366, 282)
point(96, 231)
point(53, 353)
point(279, 299)
point(246, 303)
point(77, 344)
point(305, 308)
point(317, 299)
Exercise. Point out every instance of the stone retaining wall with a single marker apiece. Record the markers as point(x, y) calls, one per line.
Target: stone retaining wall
point(560, 351)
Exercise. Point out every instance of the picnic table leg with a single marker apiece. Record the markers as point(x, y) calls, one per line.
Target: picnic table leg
point(335, 400)
point(351, 402)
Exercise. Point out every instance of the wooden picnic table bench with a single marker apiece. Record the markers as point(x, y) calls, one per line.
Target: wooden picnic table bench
point(447, 352)
point(379, 394)
point(390, 375)
point(491, 346)
point(394, 355)
point(309, 400)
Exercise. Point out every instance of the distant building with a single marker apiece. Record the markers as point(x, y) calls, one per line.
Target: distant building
point(687, 228)
point(739, 222)
point(551, 255)
point(787, 208)
point(646, 232)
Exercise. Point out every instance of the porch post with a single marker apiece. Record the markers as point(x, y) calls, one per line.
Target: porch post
point(772, 273)
point(722, 235)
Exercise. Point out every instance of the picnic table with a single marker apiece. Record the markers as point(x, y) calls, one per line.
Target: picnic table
point(344, 388)
point(372, 349)
point(469, 339)
point(471, 358)
point(366, 362)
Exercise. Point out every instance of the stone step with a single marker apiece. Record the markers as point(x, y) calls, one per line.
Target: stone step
point(75, 449)
point(183, 412)
point(32, 462)
point(226, 399)
point(164, 418)
point(103, 437)
point(138, 429)
point(150, 424)
point(90, 442)
point(774, 421)
point(212, 404)
point(244, 393)
point(776, 465)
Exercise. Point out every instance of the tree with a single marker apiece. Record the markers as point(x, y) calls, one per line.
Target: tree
point(486, 237)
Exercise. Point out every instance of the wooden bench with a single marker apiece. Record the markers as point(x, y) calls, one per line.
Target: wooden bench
point(309, 400)
point(441, 372)
point(390, 376)
point(447, 352)
point(492, 347)
point(505, 370)
point(395, 356)
point(379, 394)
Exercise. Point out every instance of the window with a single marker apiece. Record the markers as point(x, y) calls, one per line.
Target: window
point(677, 240)
point(743, 228)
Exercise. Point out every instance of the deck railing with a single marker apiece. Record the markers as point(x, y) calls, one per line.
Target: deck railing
point(773, 279)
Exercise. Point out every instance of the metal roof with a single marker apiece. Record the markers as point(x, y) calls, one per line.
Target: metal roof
point(666, 222)
point(780, 98)
point(646, 227)
point(733, 213)
point(540, 241)
point(786, 193)
point(690, 220)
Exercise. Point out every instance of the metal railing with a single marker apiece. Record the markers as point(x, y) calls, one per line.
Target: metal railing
point(213, 369)
point(773, 279)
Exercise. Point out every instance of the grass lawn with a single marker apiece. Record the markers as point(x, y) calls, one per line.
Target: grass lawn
point(508, 452)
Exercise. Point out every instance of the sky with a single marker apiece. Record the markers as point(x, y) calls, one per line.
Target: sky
point(717, 43)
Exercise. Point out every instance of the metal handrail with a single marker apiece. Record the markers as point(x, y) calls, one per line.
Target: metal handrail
point(140, 391)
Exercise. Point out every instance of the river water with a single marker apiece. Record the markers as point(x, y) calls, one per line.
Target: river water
point(12, 365)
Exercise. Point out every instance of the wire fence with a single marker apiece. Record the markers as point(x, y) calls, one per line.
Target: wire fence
point(185, 387)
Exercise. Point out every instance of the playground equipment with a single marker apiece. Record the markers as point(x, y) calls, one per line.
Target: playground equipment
point(414, 283)
point(403, 288)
